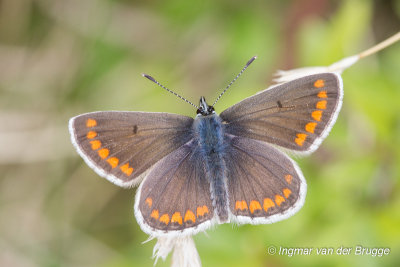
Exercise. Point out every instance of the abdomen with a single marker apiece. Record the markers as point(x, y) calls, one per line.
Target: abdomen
point(208, 131)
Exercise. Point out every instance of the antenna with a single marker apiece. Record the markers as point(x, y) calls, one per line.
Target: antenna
point(172, 92)
point(237, 76)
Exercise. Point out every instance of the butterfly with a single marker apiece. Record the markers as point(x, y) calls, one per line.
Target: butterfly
point(212, 169)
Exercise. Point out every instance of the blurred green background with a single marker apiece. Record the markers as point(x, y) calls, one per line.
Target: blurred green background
point(61, 58)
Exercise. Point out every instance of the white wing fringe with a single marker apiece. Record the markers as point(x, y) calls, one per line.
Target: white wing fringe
point(282, 76)
point(184, 255)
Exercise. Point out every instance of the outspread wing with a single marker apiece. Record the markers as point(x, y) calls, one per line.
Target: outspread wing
point(121, 146)
point(264, 185)
point(175, 197)
point(296, 115)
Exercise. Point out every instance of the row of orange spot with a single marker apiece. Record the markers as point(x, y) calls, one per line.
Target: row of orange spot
point(316, 114)
point(177, 217)
point(268, 202)
point(104, 152)
point(201, 211)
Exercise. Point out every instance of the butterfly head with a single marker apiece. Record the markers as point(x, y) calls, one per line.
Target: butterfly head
point(204, 109)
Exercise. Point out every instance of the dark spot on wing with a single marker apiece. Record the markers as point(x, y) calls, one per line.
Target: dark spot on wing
point(279, 104)
point(135, 129)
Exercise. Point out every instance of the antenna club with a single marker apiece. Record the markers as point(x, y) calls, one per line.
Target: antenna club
point(251, 61)
point(237, 76)
point(149, 77)
point(172, 92)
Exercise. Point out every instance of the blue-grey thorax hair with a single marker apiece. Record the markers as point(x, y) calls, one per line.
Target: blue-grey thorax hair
point(209, 133)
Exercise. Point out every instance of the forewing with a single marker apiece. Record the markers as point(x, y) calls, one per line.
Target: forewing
point(174, 198)
point(296, 115)
point(121, 146)
point(264, 185)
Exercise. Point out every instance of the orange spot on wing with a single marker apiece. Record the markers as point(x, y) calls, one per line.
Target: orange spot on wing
point(238, 205)
point(96, 144)
point(254, 205)
point(149, 201)
point(91, 134)
point(300, 138)
point(316, 115)
point(202, 210)
point(288, 178)
point(319, 83)
point(268, 203)
point(310, 127)
point(164, 219)
point(241, 205)
point(322, 94)
point(279, 199)
point(189, 216)
point(154, 214)
point(205, 209)
point(103, 153)
point(176, 217)
point(113, 161)
point(321, 104)
point(91, 123)
point(126, 169)
point(287, 192)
